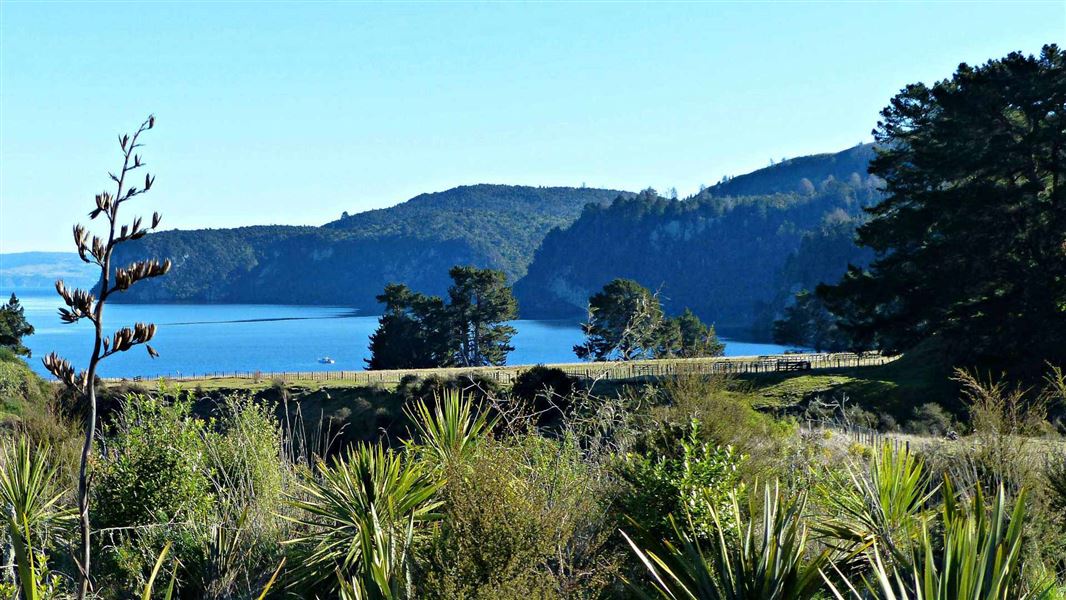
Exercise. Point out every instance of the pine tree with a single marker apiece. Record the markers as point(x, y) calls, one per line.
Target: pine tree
point(971, 237)
point(14, 327)
point(480, 303)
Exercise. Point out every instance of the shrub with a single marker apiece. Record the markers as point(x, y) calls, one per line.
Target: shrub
point(153, 468)
point(1056, 474)
point(247, 474)
point(32, 513)
point(522, 521)
point(856, 415)
point(448, 433)
point(209, 489)
point(691, 485)
point(355, 512)
point(150, 481)
point(245, 462)
point(765, 558)
point(726, 417)
point(472, 385)
point(882, 501)
point(979, 555)
point(545, 390)
point(886, 422)
point(930, 419)
point(1004, 418)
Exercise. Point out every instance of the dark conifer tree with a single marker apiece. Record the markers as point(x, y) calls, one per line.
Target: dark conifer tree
point(971, 237)
point(480, 304)
point(411, 331)
point(14, 327)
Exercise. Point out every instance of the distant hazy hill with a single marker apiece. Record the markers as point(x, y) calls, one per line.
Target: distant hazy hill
point(39, 271)
point(349, 261)
point(734, 253)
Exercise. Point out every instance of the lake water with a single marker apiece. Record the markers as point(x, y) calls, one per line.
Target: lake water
point(195, 339)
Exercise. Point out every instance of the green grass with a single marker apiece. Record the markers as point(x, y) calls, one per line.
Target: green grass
point(365, 410)
point(896, 388)
point(20, 387)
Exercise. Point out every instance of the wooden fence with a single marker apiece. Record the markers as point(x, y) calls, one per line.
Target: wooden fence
point(588, 371)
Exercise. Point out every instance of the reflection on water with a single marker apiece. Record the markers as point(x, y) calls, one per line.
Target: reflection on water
point(195, 338)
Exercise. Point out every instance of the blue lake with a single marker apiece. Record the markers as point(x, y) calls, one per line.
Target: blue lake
point(199, 338)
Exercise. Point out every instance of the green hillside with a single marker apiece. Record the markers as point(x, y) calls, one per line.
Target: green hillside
point(734, 259)
point(349, 261)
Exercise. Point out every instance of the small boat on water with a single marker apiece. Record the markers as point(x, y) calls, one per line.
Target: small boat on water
point(326, 360)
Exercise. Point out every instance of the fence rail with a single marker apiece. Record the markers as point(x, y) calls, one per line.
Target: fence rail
point(588, 371)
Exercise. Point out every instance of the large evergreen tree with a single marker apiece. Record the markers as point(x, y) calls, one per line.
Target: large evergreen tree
point(14, 327)
point(411, 332)
point(696, 339)
point(418, 331)
point(971, 238)
point(624, 323)
point(480, 303)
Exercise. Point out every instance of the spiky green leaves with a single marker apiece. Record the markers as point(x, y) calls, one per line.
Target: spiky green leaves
point(761, 557)
point(356, 511)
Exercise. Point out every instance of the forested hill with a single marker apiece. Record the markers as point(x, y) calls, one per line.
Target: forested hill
point(349, 261)
point(802, 174)
point(506, 223)
point(735, 260)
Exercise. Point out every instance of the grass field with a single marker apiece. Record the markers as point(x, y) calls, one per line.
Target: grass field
point(366, 409)
point(505, 375)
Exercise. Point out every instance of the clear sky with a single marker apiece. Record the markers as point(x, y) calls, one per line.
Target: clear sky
point(293, 112)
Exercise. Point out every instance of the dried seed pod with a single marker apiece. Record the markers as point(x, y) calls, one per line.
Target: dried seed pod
point(62, 370)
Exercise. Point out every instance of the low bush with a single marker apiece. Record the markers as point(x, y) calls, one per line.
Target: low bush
point(545, 391)
point(930, 419)
point(354, 516)
point(693, 485)
point(153, 467)
point(759, 551)
point(472, 385)
point(521, 520)
point(210, 489)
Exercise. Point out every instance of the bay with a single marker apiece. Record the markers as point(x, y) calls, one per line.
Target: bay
point(211, 338)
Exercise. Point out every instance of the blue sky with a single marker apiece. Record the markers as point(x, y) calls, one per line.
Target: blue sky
point(294, 112)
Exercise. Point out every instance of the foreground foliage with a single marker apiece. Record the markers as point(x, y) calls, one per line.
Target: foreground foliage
point(359, 513)
point(482, 500)
point(765, 557)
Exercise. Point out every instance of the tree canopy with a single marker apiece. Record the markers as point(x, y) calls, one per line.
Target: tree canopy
point(480, 302)
point(626, 322)
point(970, 239)
point(418, 331)
point(411, 333)
point(14, 327)
point(807, 322)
